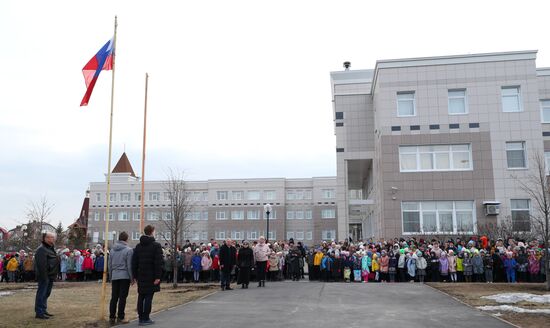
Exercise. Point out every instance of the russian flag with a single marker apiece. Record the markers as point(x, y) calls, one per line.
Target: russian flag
point(103, 60)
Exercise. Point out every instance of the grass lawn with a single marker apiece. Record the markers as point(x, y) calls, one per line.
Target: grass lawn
point(77, 304)
point(470, 293)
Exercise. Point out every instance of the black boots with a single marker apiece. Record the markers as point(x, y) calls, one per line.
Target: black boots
point(261, 283)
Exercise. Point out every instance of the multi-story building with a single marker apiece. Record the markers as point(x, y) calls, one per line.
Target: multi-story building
point(438, 145)
point(303, 209)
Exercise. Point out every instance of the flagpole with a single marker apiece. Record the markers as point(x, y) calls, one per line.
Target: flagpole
point(106, 247)
point(142, 210)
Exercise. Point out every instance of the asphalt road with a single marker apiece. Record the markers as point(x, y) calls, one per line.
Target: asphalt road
point(305, 304)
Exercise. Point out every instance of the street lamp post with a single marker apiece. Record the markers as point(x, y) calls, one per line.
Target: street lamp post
point(267, 209)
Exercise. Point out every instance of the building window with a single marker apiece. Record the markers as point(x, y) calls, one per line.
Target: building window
point(237, 195)
point(237, 235)
point(308, 194)
point(154, 196)
point(521, 218)
point(290, 215)
point(96, 216)
point(125, 196)
point(545, 111)
point(138, 196)
point(272, 215)
point(511, 100)
point(457, 102)
point(112, 197)
point(269, 194)
point(95, 237)
point(272, 235)
point(290, 195)
point(328, 234)
point(98, 197)
point(435, 158)
point(328, 193)
point(253, 235)
point(196, 235)
point(253, 195)
point(168, 196)
point(328, 213)
point(137, 216)
point(299, 215)
point(299, 235)
point(515, 155)
point(438, 217)
point(299, 194)
point(289, 235)
point(237, 215)
point(308, 214)
point(339, 115)
point(253, 215)
point(154, 216)
point(205, 196)
point(406, 104)
point(220, 235)
point(222, 195)
point(136, 235)
point(111, 216)
point(123, 216)
point(167, 216)
point(309, 235)
point(547, 162)
point(204, 215)
point(167, 235)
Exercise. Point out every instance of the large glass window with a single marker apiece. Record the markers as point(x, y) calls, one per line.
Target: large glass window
point(405, 104)
point(125, 196)
point(328, 234)
point(433, 217)
point(222, 195)
point(253, 195)
point(435, 158)
point(328, 193)
point(545, 111)
point(521, 218)
point(253, 215)
point(511, 100)
point(237, 195)
point(328, 213)
point(221, 215)
point(457, 102)
point(237, 215)
point(515, 155)
point(154, 196)
point(269, 194)
point(547, 162)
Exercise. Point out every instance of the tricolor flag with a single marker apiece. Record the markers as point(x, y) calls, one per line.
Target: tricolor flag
point(103, 60)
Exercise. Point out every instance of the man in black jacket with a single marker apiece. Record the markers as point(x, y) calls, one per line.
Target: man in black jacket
point(46, 265)
point(228, 259)
point(147, 266)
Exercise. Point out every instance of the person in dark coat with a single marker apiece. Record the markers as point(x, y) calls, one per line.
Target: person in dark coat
point(245, 261)
point(147, 263)
point(228, 259)
point(46, 266)
point(294, 262)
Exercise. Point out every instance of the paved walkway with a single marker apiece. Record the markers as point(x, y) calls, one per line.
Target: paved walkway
point(305, 304)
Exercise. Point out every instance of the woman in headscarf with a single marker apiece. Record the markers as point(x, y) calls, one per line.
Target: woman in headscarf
point(245, 261)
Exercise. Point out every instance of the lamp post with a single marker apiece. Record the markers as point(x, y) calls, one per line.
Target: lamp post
point(267, 210)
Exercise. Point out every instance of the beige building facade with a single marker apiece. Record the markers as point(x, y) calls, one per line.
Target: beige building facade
point(303, 209)
point(439, 145)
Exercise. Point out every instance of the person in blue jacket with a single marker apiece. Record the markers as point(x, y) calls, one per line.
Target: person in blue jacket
point(196, 264)
point(510, 267)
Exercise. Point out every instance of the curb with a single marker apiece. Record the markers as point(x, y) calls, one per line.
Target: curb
point(468, 305)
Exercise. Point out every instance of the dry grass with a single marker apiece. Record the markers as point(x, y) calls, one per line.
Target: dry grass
point(77, 304)
point(470, 293)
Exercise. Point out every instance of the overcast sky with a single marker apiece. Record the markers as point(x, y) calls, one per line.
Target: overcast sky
point(238, 89)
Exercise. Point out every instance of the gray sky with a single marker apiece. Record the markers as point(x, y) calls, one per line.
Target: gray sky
point(238, 89)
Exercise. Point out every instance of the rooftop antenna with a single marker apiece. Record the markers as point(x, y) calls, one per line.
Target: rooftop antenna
point(347, 65)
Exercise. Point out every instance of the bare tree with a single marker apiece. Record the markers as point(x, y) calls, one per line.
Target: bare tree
point(537, 186)
point(177, 224)
point(39, 212)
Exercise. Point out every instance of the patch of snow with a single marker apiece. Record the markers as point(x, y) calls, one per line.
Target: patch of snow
point(5, 293)
point(498, 314)
point(512, 309)
point(518, 297)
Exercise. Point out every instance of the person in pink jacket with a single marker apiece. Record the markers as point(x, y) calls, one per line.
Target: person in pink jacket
point(206, 263)
point(452, 265)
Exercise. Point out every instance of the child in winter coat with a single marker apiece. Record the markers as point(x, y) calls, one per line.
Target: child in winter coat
point(488, 266)
point(477, 265)
point(460, 267)
point(411, 265)
point(376, 267)
point(467, 265)
point(384, 266)
point(452, 265)
point(444, 267)
point(365, 271)
point(88, 267)
point(510, 265)
point(434, 267)
point(534, 267)
point(392, 266)
point(206, 264)
point(196, 263)
point(421, 265)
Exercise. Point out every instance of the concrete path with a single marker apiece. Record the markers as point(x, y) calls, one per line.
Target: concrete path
point(305, 304)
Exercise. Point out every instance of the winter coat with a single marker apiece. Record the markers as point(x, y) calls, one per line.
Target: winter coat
point(452, 263)
point(444, 265)
point(477, 264)
point(215, 263)
point(13, 265)
point(534, 265)
point(87, 264)
point(197, 262)
point(365, 264)
point(228, 257)
point(467, 264)
point(71, 265)
point(510, 264)
point(28, 264)
point(522, 262)
point(459, 264)
point(402, 261)
point(187, 261)
point(245, 258)
point(78, 260)
point(64, 259)
point(206, 263)
point(261, 252)
point(147, 262)
point(120, 261)
point(384, 263)
point(488, 262)
point(411, 266)
point(317, 258)
point(273, 263)
point(421, 263)
point(99, 264)
point(46, 263)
